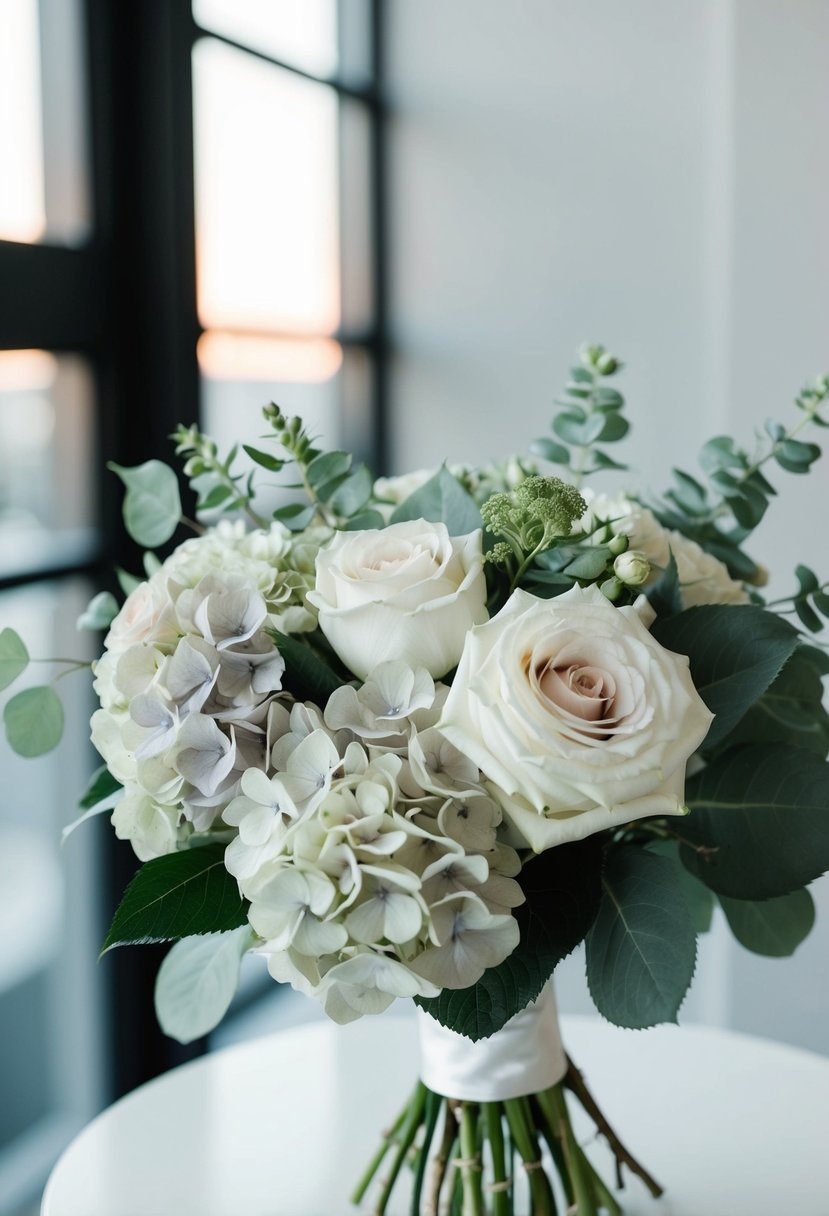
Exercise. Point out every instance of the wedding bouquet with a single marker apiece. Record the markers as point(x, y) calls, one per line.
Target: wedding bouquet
point(420, 737)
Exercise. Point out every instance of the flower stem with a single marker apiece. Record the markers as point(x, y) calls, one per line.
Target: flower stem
point(412, 1121)
point(524, 1137)
point(441, 1161)
point(470, 1162)
point(432, 1110)
point(500, 1187)
point(554, 1102)
point(377, 1160)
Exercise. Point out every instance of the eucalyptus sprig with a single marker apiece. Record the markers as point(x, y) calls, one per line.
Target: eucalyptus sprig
point(213, 479)
point(811, 600)
point(590, 414)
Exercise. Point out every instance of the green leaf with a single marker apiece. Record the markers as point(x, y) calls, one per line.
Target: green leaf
point(548, 449)
point(178, 895)
point(699, 898)
point(807, 616)
point(127, 582)
point(773, 927)
point(689, 493)
point(197, 982)
point(720, 453)
point(759, 820)
point(152, 505)
point(735, 652)
point(100, 612)
point(608, 398)
point(215, 498)
point(807, 580)
point(295, 515)
point(641, 950)
point(567, 879)
point(796, 457)
point(572, 429)
point(327, 467)
point(441, 499)
point(615, 427)
point(365, 520)
point(601, 460)
point(34, 721)
point(354, 492)
point(307, 676)
point(791, 710)
point(272, 463)
point(14, 657)
point(590, 563)
point(665, 595)
point(748, 506)
point(102, 785)
point(821, 602)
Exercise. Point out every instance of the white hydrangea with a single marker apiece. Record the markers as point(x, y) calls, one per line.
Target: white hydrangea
point(368, 850)
point(703, 579)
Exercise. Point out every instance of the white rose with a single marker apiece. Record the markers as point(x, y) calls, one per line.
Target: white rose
point(409, 591)
point(398, 489)
point(148, 613)
point(703, 579)
point(578, 717)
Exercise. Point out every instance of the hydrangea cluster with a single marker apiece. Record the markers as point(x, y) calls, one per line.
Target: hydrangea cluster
point(368, 849)
point(188, 675)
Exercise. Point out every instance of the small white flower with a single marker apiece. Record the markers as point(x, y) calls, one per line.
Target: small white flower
point(206, 755)
point(471, 939)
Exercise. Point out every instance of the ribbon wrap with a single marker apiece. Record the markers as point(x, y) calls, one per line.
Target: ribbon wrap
point(524, 1057)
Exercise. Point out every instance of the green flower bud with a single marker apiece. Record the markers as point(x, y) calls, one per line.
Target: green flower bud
point(618, 544)
point(611, 589)
point(633, 568)
point(607, 364)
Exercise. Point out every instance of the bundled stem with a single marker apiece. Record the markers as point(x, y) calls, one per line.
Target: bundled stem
point(471, 1173)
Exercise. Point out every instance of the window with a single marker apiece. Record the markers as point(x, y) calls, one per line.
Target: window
point(191, 219)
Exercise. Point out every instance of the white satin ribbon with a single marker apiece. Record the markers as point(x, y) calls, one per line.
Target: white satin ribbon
point(524, 1057)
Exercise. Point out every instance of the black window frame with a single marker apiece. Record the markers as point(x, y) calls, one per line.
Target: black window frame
point(126, 301)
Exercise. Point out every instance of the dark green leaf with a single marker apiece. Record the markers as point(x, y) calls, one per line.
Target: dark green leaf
point(272, 463)
point(665, 595)
point(179, 895)
point(441, 499)
point(807, 580)
point(548, 449)
point(152, 505)
point(807, 616)
point(735, 652)
point(773, 927)
point(218, 495)
point(601, 460)
point(821, 601)
point(748, 506)
point(791, 710)
point(796, 457)
point(689, 493)
point(307, 676)
point(295, 515)
point(102, 785)
point(590, 563)
point(699, 898)
point(565, 879)
point(615, 427)
point(365, 520)
point(760, 816)
point(641, 950)
point(609, 398)
point(34, 721)
point(14, 657)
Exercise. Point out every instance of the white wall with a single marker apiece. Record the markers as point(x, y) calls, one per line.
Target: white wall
point(652, 176)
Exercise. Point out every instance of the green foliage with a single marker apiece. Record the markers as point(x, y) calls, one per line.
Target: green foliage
point(534, 515)
point(590, 414)
point(735, 651)
point(665, 595)
point(811, 601)
point(562, 890)
point(773, 927)
point(152, 504)
point(699, 898)
point(14, 657)
point(34, 721)
point(197, 981)
point(759, 822)
point(641, 950)
point(100, 612)
point(176, 896)
point(307, 675)
point(442, 499)
point(791, 709)
point(102, 785)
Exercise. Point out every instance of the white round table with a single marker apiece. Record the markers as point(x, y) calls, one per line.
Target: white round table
point(283, 1125)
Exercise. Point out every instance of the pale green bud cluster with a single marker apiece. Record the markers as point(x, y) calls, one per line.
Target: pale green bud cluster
point(531, 517)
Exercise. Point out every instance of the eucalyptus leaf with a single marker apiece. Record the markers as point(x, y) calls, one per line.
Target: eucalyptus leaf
point(735, 651)
point(102, 785)
point(152, 504)
point(365, 520)
point(178, 895)
point(264, 459)
point(127, 582)
point(548, 449)
point(442, 499)
point(100, 612)
point(759, 822)
point(566, 878)
point(589, 563)
point(197, 982)
point(352, 494)
point(641, 950)
point(14, 657)
point(34, 721)
point(328, 466)
point(773, 927)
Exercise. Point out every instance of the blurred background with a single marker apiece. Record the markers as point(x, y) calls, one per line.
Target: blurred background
point(399, 220)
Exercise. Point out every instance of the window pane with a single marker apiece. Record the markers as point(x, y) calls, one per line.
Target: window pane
point(240, 375)
point(51, 1031)
point(46, 460)
point(356, 217)
point(300, 32)
point(43, 182)
point(266, 195)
